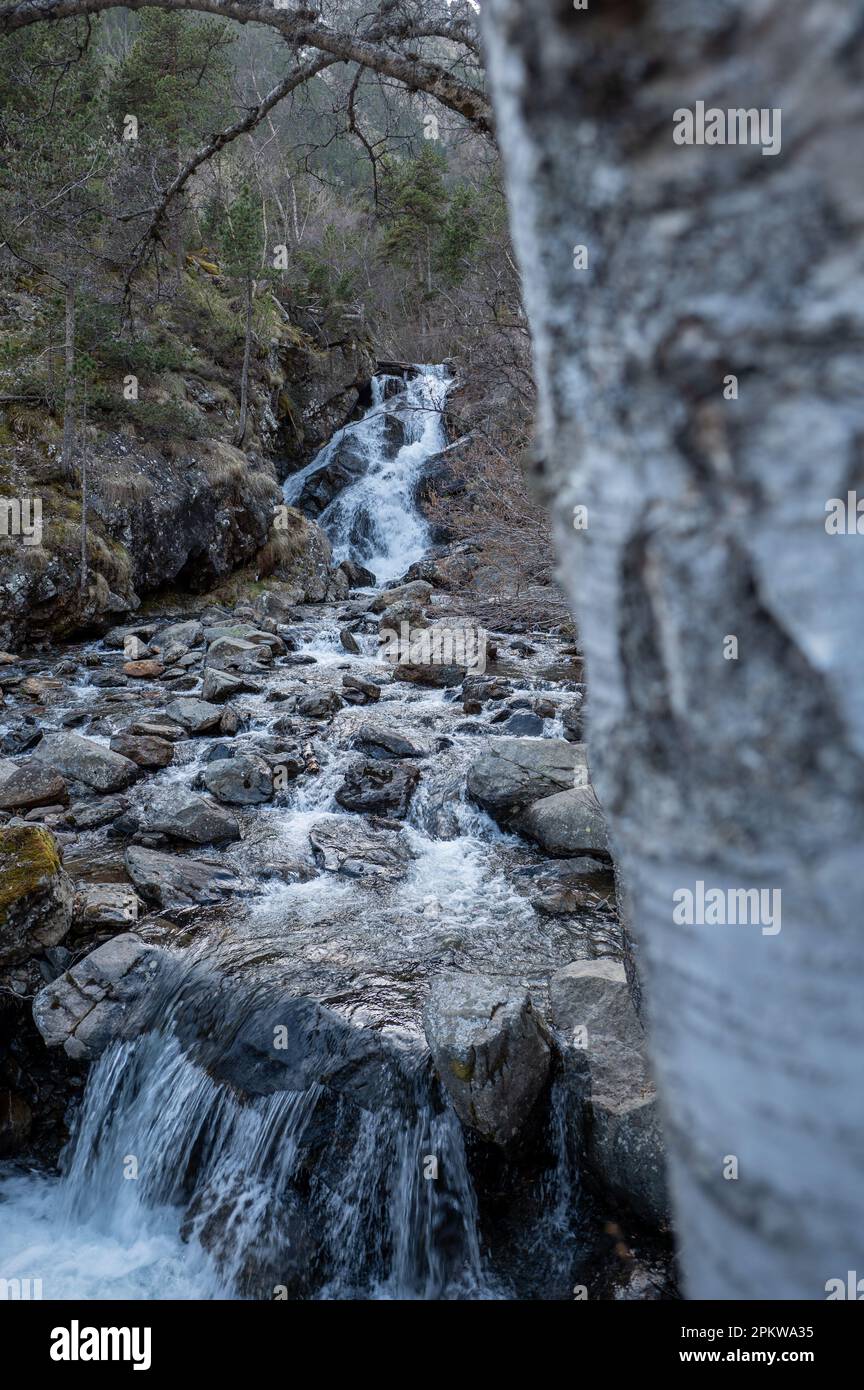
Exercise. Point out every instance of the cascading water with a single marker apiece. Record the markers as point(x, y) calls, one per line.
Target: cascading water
point(204, 1163)
point(373, 519)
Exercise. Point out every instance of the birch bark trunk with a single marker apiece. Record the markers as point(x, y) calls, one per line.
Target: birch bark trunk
point(707, 521)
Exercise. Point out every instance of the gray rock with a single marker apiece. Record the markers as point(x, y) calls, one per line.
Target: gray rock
point(158, 728)
point(30, 783)
point(185, 816)
point(377, 788)
point(567, 823)
point(244, 780)
point(90, 815)
point(106, 996)
point(173, 882)
point(353, 848)
point(349, 642)
point(235, 654)
point(386, 743)
point(418, 592)
point(514, 773)
point(81, 760)
point(186, 635)
point(359, 692)
point(490, 1051)
point(105, 905)
point(195, 716)
point(319, 704)
point(219, 686)
point(603, 1046)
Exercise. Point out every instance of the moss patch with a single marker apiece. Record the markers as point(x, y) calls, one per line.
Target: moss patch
point(29, 859)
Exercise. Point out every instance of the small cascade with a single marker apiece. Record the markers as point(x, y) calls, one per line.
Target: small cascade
point(374, 518)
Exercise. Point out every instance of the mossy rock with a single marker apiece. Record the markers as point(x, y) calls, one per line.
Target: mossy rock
point(35, 893)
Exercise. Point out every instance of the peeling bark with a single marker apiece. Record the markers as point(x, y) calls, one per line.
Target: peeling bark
point(706, 519)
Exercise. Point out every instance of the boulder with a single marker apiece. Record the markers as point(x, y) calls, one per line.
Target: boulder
point(188, 634)
point(353, 848)
point(514, 773)
point(359, 692)
point(35, 893)
point(235, 654)
point(173, 882)
point(107, 996)
point(147, 669)
point(90, 815)
point(603, 1047)
point(431, 673)
point(386, 743)
point(244, 780)
point(319, 704)
point(158, 728)
point(30, 783)
point(143, 749)
point(357, 575)
point(376, 788)
point(490, 1051)
point(82, 760)
point(195, 716)
point(105, 905)
point(567, 823)
point(417, 592)
point(185, 816)
point(219, 686)
point(349, 642)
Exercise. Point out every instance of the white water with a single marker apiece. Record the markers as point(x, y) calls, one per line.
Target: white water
point(210, 1213)
point(374, 519)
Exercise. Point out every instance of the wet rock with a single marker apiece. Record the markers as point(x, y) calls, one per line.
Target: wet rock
point(158, 728)
point(143, 670)
point(195, 716)
point(16, 1119)
point(360, 692)
point(573, 720)
point(105, 905)
point(357, 575)
point(523, 726)
point(404, 612)
point(417, 592)
point(219, 686)
point(352, 848)
point(117, 637)
point(603, 1046)
point(378, 788)
point(35, 893)
point(20, 737)
point(144, 750)
point(234, 654)
point(244, 780)
point(349, 642)
point(570, 822)
point(386, 743)
point(490, 1051)
point(173, 882)
point(439, 676)
point(90, 815)
point(188, 634)
point(81, 760)
point(184, 816)
point(30, 783)
point(106, 996)
point(514, 773)
point(319, 704)
point(231, 721)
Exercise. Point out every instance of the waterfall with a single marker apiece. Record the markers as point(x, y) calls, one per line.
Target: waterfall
point(373, 519)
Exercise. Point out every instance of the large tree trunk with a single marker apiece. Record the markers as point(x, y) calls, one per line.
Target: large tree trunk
point(706, 520)
point(69, 389)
